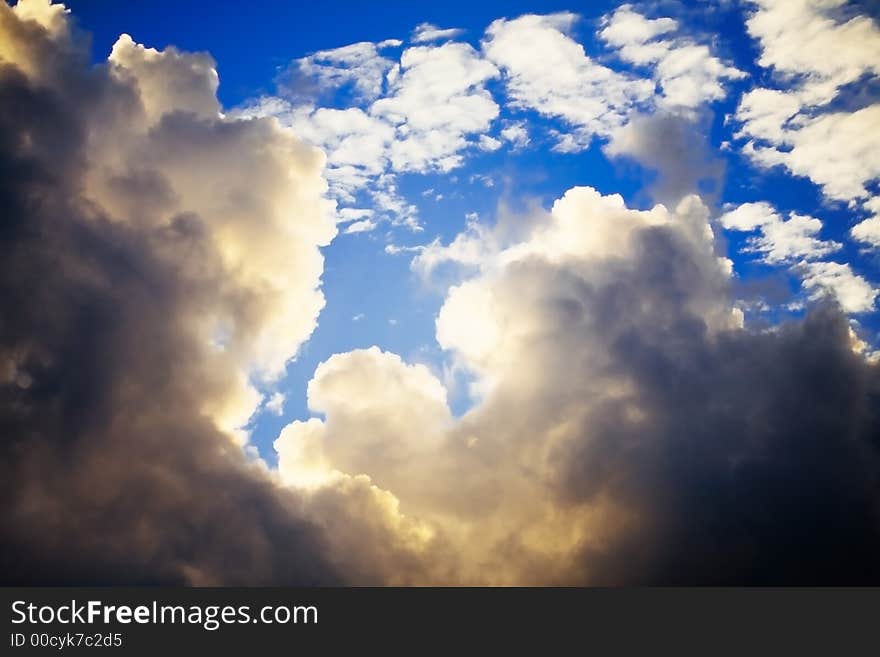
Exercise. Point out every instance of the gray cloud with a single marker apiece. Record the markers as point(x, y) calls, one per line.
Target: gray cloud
point(675, 149)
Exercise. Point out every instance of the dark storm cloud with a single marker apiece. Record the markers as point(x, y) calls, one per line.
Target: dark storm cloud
point(109, 471)
point(754, 457)
point(757, 460)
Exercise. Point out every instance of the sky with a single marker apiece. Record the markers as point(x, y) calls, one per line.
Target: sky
point(494, 293)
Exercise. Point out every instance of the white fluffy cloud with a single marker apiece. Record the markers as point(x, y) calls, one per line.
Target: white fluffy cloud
point(686, 72)
point(779, 240)
point(546, 70)
point(622, 406)
point(836, 150)
point(853, 292)
point(611, 370)
point(416, 115)
point(818, 49)
point(254, 188)
point(427, 111)
point(868, 231)
point(794, 242)
point(797, 38)
point(166, 265)
point(358, 64)
point(408, 411)
point(436, 101)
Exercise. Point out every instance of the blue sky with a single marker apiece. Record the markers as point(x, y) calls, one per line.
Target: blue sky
point(374, 296)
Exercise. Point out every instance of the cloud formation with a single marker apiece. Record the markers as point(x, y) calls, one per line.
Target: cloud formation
point(433, 108)
point(794, 242)
point(160, 266)
point(419, 114)
point(686, 72)
point(627, 429)
point(546, 70)
point(820, 126)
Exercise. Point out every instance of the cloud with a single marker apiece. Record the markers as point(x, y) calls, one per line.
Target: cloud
point(420, 115)
point(868, 230)
point(784, 28)
point(686, 72)
point(670, 135)
point(358, 64)
point(549, 72)
point(516, 133)
point(362, 226)
point(836, 150)
point(780, 240)
point(436, 101)
point(349, 389)
point(818, 127)
point(855, 294)
point(426, 32)
point(160, 265)
point(275, 404)
point(628, 428)
point(794, 241)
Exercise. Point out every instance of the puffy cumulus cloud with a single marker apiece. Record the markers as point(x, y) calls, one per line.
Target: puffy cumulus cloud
point(358, 64)
point(585, 227)
point(670, 135)
point(372, 401)
point(159, 263)
point(383, 417)
point(836, 150)
point(818, 126)
point(438, 98)
point(160, 260)
point(275, 403)
point(795, 242)
point(779, 240)
point(656, 117)
point(855, 294)
point(355, 142)
point(516, 133)
point(167, 81)
point(796, 38)
point(431, 109)
point(426, 111)
point(868, 230)
point(688, 74)
point(546, 70)
point(629, 429)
